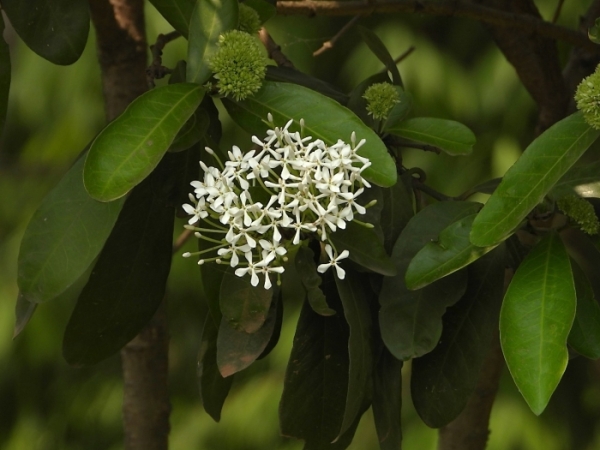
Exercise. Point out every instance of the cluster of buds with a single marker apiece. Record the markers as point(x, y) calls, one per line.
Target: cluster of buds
point(309, 188)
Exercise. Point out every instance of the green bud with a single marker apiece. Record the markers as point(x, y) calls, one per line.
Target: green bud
point(580, 211)
point(249, 20)
point(381, 98)
point(587, 97)
point(239, 65)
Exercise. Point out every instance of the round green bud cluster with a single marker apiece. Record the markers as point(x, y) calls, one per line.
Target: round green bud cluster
point(381, 98)
point(239, 65)
point(587, 97)
point(249, 20)
point(581, 211)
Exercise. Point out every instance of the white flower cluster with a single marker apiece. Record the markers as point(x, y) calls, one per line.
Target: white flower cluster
point(310, 189)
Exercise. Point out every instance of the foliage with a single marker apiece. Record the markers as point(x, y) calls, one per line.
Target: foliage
point(424, 278)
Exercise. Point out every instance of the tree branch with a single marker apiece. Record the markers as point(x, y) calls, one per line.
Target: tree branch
point(457, 8)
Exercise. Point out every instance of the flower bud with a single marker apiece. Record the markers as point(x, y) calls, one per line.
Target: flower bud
point(381, 98)
point(587, 97)
point(249, 20)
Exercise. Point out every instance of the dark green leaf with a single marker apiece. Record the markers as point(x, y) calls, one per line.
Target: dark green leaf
point(364, 247)
point(528, 181)
point(176, 12)
point(62, 239)
point(378, 48)
point(442, 381)
point(387, 401)
point(316, 380)
point(237, 349)
point(450, 252)
point(24, 310)
point(210, 19)
point(583, 250)
point(57, 30)
point(128, 282)
point(487, 187)
point(213, 387)
point(307, 270)
point(452, 137)
point(5, 69)
point(244, 306)
point(355, 301)
point(411, 321)
point(192, 132)
point(581, 180)
point(276, 334)
point(594, 32)
point(397, 211)
point(287, 75)
point(265, 9)
point(131, 146)
point(536, 316)
point(585, 334)
point(324, 119)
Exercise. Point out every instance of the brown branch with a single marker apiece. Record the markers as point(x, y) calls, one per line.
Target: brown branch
point(457, 8)
point(181, 240)
point(557, 11)
point(273, 50)
point(331, 42)
point(156, 70)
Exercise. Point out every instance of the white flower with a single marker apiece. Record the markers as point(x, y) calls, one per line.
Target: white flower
point(341, 273)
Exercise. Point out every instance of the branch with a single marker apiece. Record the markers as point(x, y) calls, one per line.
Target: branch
point(331, 42)
point(457, 8)
point(157, 70)
point(274, 50)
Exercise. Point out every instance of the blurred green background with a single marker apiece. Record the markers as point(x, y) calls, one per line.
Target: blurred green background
point(455, 72)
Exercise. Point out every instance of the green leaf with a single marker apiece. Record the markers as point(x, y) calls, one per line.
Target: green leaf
point(316, 379)
point(594, 32)
point(397, 211)
point(176, 12)
point(57, 30)
point(536, 316)
point(452, 137)
point(192, 132)
point(236, 349)
point(213, 387)
point(131, 146)
point(128, 281)
point(24, 310)
point(581, 180)
point(487, 187)
point(411, 321)
point(450, 252)
point(324, 119)
point(443, 380)
point(210, 19)
point(378, 48)
point(355, 301)
point(364, 247)
point(528, 181)
point(585, 333)
point(307, 270)
point(63, 238)
point(288, 75)
point(5, 69)
point(387, 401)
point(244, 306)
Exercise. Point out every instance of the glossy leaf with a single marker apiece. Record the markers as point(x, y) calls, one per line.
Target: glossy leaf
point(397, 211)
point(63, 237)
point(581, 180)
point(307, 270)
point(237, 349)
point(57, 30)
point(452, 137)
point(5, 69)
point(411, 321)
point(210, 19)
point(176, 12)
point(526, 183)
point(585, 333)
point(443, 380)
point(244, 306)
point(451, 251)
point(324, 119)
point(132, 145)
point(192, 132)
point(213, 387)
point(129, 279)
point(355, 299)
point(364, 247)
point(387, 401)
point(24, 310)
point(378, 48)
point(536, 316)
point(288, 75)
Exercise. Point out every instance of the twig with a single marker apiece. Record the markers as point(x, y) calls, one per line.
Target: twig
point(424, 147)
point(557, 11)
point(181, 239)
point(156, 70)
point(458, 8)
point(405, 55)
point(418, 183)
point(274, 50)
point(331, 42)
